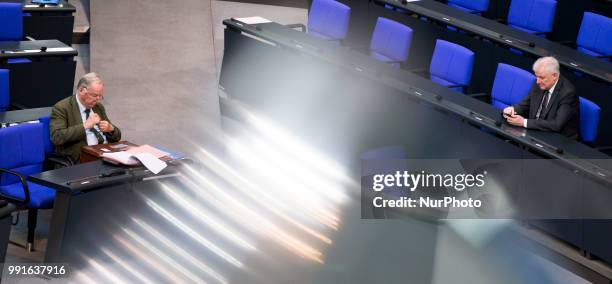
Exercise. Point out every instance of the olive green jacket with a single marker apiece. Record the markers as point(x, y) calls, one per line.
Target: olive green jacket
point(67, 130)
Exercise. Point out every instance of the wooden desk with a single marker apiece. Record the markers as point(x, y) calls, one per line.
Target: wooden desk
point(92, 153)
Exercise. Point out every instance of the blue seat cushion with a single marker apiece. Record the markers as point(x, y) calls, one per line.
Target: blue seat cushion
point(40, 196)
point(444, 83)
point(319, 35)
point(523, 29)
point(465, 9)
point(18, 60)
point(499, 105)
point(590, 52)
point(379, 57)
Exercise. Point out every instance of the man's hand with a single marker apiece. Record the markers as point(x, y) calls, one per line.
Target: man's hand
point(509, 111)
point(106, 126)
point(515, 120)
point(93, 119)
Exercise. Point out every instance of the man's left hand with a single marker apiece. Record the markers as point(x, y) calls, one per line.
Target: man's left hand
point(106, 126)
point(515, 120)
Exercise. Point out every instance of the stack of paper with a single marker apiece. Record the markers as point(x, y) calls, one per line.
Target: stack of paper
point(145, 154)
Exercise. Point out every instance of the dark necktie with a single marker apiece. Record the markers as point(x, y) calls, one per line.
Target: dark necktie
point(93, 129)
point(543, 104)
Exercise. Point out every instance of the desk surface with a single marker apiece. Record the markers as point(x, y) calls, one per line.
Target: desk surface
point(13, 49)
point(88, 176)
point(507, 35)
point(16, 116)
point(474, 111)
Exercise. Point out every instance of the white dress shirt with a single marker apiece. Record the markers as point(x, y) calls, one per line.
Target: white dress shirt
point(91, 137)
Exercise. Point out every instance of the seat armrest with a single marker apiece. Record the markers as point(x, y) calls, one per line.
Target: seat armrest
point(359, 48)
point(24, 184)
point(302, 27)
point(455, 86)
point(569, 43)
point(420, 71)
point(478, 95)
point(59, 159)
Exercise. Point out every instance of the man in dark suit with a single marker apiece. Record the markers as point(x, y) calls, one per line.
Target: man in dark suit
point(81, 119)
point(552, 104)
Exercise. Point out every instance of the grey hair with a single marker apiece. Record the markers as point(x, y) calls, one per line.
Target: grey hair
point(88, 79)
point(550, 64)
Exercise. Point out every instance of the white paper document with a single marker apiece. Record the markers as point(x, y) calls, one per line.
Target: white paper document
point(152, 163)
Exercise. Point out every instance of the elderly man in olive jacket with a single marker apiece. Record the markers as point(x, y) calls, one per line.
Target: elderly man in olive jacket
point(81, 119)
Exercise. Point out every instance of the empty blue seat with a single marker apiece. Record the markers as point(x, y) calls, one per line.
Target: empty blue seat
point(11, 26)
point(11, 22)
point(532, 16)
point(4, 90)
point(390, 42)
point(328, 19)
point(589, 120)
point(451, 65)
point(21, 154)
point(470, 6)
point(595, 35)
point(511, 85)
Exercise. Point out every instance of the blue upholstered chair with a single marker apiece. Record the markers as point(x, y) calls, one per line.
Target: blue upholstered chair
point(4, 90)
point(532, 16)
point(595, 35)
point(47, 144)
point(21, 154)
point(589, 120)
point(390, 42)
point(328, 19)
point(471, 6)
point(11, 26)
point(511, 84)
point(52, 160)
point(451, 65)
point(11, 22)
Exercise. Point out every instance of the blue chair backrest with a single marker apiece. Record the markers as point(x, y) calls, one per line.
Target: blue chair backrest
point(595, 34)
point(535, 15)
point(47, 144)
point(11, 21)
point(511, 85)
point(391, 39)
point(4, 90)
point(472, 6)
point(328, 19)
point(21, 150)
point(452, 62)
point(589, 120)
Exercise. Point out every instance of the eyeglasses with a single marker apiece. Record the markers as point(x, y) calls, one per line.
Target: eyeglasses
point(94, 96)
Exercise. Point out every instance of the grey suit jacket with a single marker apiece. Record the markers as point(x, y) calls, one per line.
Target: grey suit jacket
point(67, 131)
